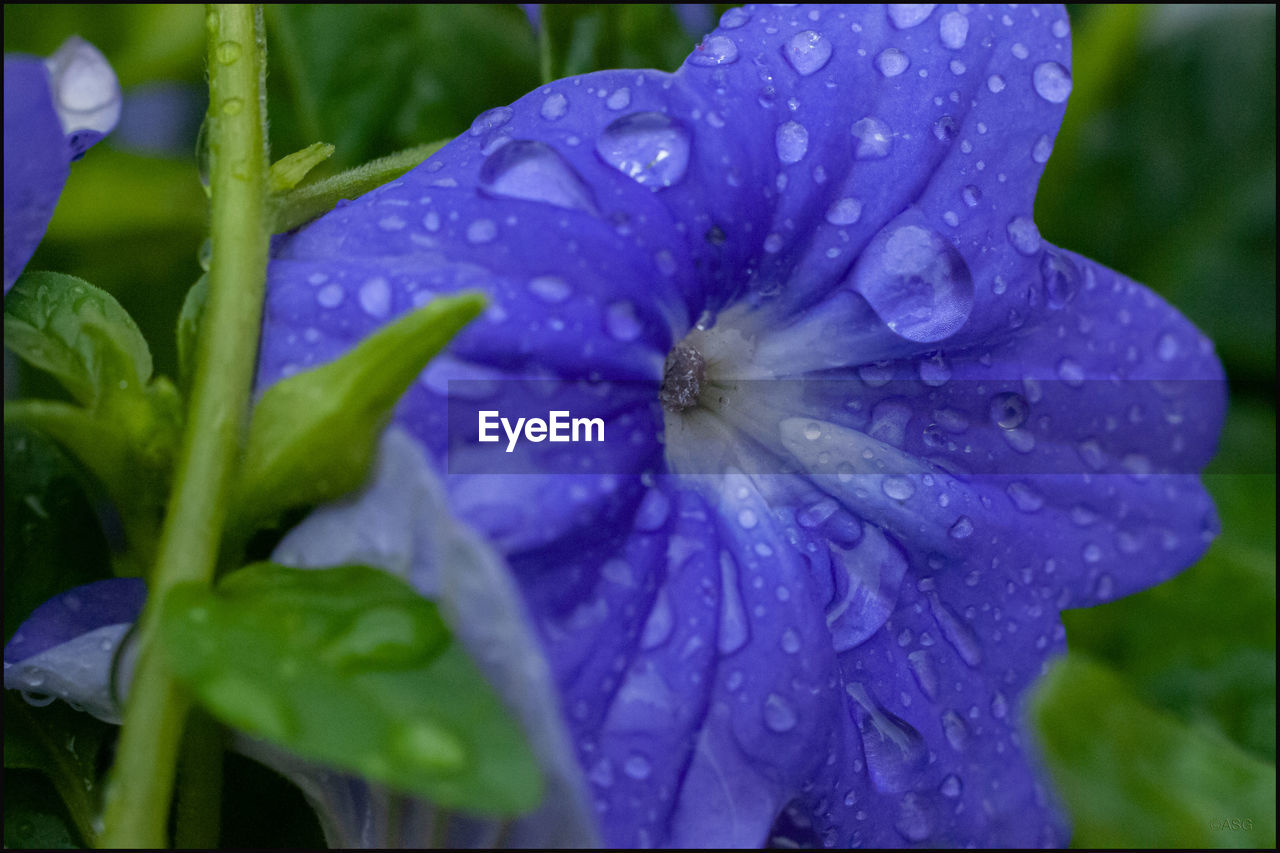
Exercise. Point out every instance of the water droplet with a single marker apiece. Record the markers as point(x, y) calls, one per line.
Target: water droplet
point(894, 750)
point(925, 673)
point(550, 288)
point(1009, 410)
point(1060, 277)
point(807, 52)
point(999, 706)
point(906, 15)
point(431, 221)
point(621, 322)
point(1106, 587)
point(228, 52)
point(779, 716)
point(1070, 372)
point(555, 106)
point(1042, 149)
point(619, 100)
point(915, 819)
point(962, 529)
point(649, 148)
point(1167, 347)
point(891, 62)
point(1024, 235)
point(1060, 29)
point(874, 138)
point(637, 766)
point(1051, 82)
point(490, 120)
point(951, 786)
point(747, 519)
point(945, 129)
point(916, 282)
point(953, 29)
point(428, 746)
point(995, 84)
point(375, 297)
point(971, 195)
point(1024, 497)
point(898, 488)
point(734, 18)
point(790, 642)
point(653, 511)
point(534, 171)
point(714, 50)
point(845, 211)
point(1091, 553)
point(792, 141)
point(244, 703)
point(957, 632)
point(330, 296)
point(935, 372)
point(232, 106)
point(481, 231)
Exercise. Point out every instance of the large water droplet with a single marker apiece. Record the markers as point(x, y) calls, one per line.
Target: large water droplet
point(895, 751)
point(714, 50)
point(792, 141)
point(1052, 82)
point(734, 18)
point(637, 766)
point(906, 15)
point(375, 297)
point(481, 231)
point(619, 100)
point(891, 62)
point(845, 211)
point(898, 488)
point(916, 282)
point(957, 632)
point(954, 29)
point(1009, 410)
point(915, 818)
point(535, 171)
point(874, 138)
point(1024, 235)
point(733, 630)
point(555, 106)
point(490, 120)
point(807, 52)
point(650, 148)
point(1060, 277)
point(779, 716)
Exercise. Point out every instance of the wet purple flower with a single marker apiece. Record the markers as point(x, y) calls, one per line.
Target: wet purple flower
point(54, 110)
point(871, 432)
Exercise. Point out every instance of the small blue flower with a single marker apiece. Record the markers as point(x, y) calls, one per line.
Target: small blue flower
point(878, 431)
point(55, 109)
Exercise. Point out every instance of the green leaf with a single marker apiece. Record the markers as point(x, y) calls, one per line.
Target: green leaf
point(1135, 777)
point(52, 539)
point(314, 434)
point(351, 668)
point(76, 332)
point(188, 330)
point(62, 744)
point(33, 819)
point(287, 172)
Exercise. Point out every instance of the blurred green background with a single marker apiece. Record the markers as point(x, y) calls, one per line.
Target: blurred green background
point(1160, 726)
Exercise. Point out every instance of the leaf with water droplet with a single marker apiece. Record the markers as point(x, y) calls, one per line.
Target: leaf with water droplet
point(313, 435)
point(351, 668)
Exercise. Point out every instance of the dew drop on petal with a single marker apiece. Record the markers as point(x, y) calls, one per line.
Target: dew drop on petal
point(945, 129)
point(779, 716)
point(1023, 235)
point(1025, 497)
point(1051, 82)
point(874, 138)
point(734, 18)
point(481, 231)
point(894, 750)
point(1060, 277)
point(714, 50)
point(550, 288)
point(906, 15)
point(995, 84)
point(1042, 149)
point(845, 211)
point(915, 819)
point(916, 282)
point(1009, 410)
point(953, 28)
point(807, 52)
point(534, 171)
point(490, 120)
point(971, 195)
point(375, 297)
point(619, 100)
point(330, 296)
point(957, 632)
point(1070, 372)
point(962, 529)
point(891, 62)
point(950, 786)
point(555, 106)
point(650, 148)
point(621, 322)
point(637, 766)
point(898, 488)
point(1167, 347)
point(792, 141)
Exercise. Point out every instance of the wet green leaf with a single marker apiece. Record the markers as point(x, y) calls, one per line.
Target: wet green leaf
point(1135, 777)
point(314, 434)
point(350, 667)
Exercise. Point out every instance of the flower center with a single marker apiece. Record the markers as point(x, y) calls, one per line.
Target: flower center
point(682, 377)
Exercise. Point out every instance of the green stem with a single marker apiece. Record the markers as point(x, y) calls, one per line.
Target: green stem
point(141, 787)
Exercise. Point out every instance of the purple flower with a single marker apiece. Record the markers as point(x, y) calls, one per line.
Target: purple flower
point(871, 432)
point(54, 110)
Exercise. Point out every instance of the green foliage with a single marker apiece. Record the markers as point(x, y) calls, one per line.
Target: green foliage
point(313, 436)
point(1174, 784)
point(351, 667)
